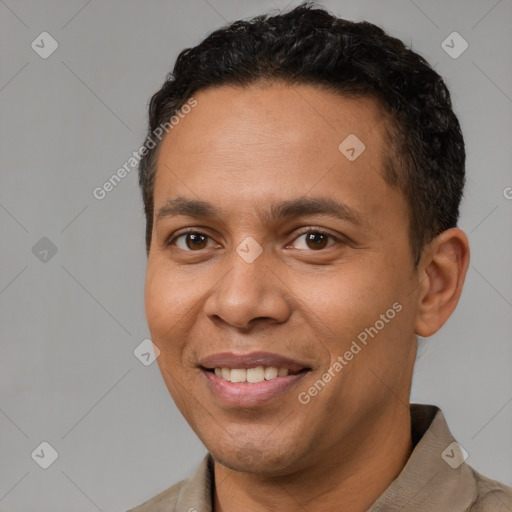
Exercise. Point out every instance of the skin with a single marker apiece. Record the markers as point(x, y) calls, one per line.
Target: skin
point(243, 149)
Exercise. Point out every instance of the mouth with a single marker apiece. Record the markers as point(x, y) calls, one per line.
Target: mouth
point(252, 375)
point(252, 379)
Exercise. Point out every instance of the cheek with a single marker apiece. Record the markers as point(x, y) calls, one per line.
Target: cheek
point(156, 298)
point(163, 292)
point(165, 304)
point(352, 303)
point(354, 294)
point(163, 314)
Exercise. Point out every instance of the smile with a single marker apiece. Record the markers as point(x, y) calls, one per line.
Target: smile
point(251, 375)
point(252, 379)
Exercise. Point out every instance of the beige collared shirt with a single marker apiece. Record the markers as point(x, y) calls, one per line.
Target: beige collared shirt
point(434, 479)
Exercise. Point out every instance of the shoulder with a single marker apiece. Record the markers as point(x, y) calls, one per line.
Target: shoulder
point(163, 501)
point(193, 493)
point(492, 496)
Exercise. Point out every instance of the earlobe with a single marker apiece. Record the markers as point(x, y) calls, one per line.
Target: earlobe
point(443, 273)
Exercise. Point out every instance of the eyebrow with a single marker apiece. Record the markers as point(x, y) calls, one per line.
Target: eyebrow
point(299, 207)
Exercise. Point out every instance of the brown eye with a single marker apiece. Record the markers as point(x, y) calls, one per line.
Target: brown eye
point(314, 240)
point(193, 241)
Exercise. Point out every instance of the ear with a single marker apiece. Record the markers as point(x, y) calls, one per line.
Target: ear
point(442, 271)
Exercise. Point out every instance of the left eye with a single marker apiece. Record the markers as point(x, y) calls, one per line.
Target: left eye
point(315, 239)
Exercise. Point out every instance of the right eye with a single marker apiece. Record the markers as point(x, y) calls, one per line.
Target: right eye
point(191, 241)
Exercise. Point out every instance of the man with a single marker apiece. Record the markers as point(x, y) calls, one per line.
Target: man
point(301, 233)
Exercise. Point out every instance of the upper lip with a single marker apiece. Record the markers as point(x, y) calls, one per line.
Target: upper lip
point(251, 360)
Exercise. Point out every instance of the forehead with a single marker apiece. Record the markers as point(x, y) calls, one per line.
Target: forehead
point(302, 118)
point(275, 140)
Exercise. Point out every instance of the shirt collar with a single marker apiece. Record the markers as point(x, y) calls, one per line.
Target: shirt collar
point(435, 476)
point(428, 482)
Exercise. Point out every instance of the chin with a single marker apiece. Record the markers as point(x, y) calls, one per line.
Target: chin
point(251, 458)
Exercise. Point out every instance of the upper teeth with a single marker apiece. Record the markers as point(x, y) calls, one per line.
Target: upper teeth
point(253, 375)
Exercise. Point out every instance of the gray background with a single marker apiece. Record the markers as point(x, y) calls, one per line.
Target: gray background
point(69, 324)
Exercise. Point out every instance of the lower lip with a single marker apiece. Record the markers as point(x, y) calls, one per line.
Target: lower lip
point(245, 394)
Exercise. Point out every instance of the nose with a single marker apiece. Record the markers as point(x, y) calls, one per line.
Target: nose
point(250, 291)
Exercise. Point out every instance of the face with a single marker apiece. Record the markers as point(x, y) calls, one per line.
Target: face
point(280, 286)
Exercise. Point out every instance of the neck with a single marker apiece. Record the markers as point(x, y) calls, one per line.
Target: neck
point(351, 478)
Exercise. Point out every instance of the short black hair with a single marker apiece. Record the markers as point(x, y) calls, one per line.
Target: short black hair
point(308, 45)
